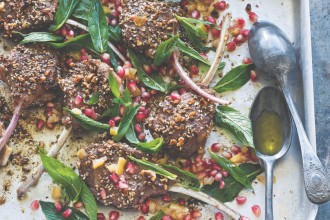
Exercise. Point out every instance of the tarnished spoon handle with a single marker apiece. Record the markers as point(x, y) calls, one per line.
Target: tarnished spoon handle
point(269, 168)
point(315, 177)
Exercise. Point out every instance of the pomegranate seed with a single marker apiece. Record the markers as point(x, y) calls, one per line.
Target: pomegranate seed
point(215, 147)
point(194, 69)
point(239, 39)
point(207, 163)
point(121, 72)
point(116, 13)
point(175, 96)
point(243, 218)
point(88, 112)
point(256, 210)
point(122, 185)
point(130, 168)
point(64, 32)
point(231, 46)
point(138, 128)
point(227, 154)
point(253, 157)
point(117, 119)
point(216, 167)
point(213, 172)
point(113, 215)
point(69, 61)
point(201, 175)
point(144, 208)
point(195, 14)
point(166, 198)
point(70, 34)
point(240, 200)
point(142, 136)
point(114, 178)
point(221, 185)
point(132, 86)
point(218, 216)
point(140, 116)
point(187, 217)
point(253, 76)
point(215, 33)
point(141, 218)
point(83, 57)
point(35, 205)
point(218, 176)
point(103, 194)
point(127, 65)
point(247, 60)
point(67, 213)
point(211, 19)
point(245, 33)
point(121, 110)
point(83, 51)
point(167, 217)
point(58, 206)
point(105, 58)
point(78, 100)
point(113, 22)
point(112, 123)
point(101, 216)
point(147, 69)
point(235, 149)
point(40, 124)
point(146, 96)
point(224, 173)
point(78, 205)
point(240, 22)
point(253, 16)
point(220, 5)
point(195, 214)
point(182, 201)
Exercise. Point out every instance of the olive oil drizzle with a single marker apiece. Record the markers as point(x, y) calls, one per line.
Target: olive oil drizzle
point(269, 133)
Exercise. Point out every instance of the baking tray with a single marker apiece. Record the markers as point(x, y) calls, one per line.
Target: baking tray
point(290, 201)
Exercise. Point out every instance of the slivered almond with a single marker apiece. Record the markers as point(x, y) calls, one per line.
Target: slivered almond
point(99, 162)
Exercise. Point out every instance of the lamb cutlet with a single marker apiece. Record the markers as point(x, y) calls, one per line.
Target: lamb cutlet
point(84, 79)
point(126, 188)
point(26, 15)
point(146, 24)
point(29, 73)
point(78, 81)
point(184, 121)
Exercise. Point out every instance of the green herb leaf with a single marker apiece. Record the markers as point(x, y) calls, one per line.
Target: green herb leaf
point(153, 167)
point(62, 175)
point(236, 172)
point(232, 186)
point(113, 59)
point(89, 202)
point(88, 123)
point(93, 99)
point(158, 216)
point(235, 123)
point(153, 146)
point(115, 34)
point(98, 27)
point(234, 79)
point(185, 178)
point(82, 9)
point(156, 83)
point(165, 50)
point(113, 85)
point(127, 99)
point(192, 53)
point(126, 122)
point(76, 43)
point(197, 21)
point(39, 37)
point(194, 33)
point(63, 12)
point(50, 213)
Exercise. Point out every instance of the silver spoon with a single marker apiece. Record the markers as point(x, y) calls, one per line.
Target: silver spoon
point(272, 52)
point(277, 105)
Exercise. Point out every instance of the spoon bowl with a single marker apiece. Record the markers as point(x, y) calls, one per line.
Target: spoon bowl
point(273, 53)
point(277, 105)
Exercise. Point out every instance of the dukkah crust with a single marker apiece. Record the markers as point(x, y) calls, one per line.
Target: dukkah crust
point(29, 72)
point(26, 15)
point(146, 24)
point(139, 187)
point(184, 125)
